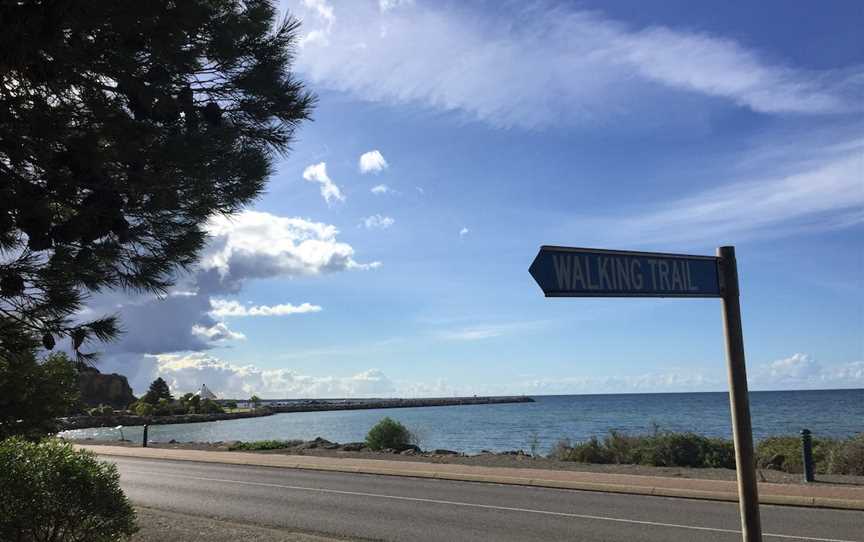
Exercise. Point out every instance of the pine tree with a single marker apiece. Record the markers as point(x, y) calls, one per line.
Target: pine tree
point(124, 126)
point(158, 390)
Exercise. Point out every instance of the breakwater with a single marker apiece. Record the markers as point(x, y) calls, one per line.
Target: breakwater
point(276, 407)
point(316, 405)
point(127, 420)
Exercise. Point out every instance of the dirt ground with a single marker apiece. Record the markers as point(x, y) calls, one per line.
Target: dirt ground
point(518, 461)
point(160, 525)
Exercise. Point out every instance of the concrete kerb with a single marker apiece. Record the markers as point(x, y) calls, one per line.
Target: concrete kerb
point(686, 493)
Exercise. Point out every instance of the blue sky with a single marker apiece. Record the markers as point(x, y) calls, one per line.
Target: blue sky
point(491, 128)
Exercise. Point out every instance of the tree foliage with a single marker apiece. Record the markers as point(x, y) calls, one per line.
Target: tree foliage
point(33, 393)
point(158, 390)
point(123, 127)
point(50, 491)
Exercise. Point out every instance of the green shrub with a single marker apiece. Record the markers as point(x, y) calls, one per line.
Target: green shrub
point(50, 491)
point(142, 409)
point(659, 449)
point(264, 445)
point(101, 410)
point(208, 406)
point(388, 433)
point(591, 451)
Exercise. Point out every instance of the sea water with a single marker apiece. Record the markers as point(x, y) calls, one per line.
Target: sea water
point(500, 427)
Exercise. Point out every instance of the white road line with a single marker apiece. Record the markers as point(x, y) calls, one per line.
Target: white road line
point(489, 507)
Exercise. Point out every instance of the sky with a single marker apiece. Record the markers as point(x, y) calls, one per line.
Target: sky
point(390, 253)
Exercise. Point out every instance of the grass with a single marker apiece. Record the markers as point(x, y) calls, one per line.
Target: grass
point(235, 410)
point(666, 449)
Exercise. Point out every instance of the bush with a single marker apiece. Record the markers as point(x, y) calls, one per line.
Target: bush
point(264, 445)
point(208, 406)
point(846, 456)
point(50, 491)
point(101, 410)
point(388, 433)
point(659, 450)
point(142, 409)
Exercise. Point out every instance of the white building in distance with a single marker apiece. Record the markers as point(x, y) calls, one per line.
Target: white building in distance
point(205, 393)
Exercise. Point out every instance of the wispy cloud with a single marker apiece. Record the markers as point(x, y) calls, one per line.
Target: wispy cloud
point(372, 162)
point(317, 173)
point(377, 222)
point(224, 307)
point(379, 189)
point(557, 65)
point(464, 231)
point(822, 195)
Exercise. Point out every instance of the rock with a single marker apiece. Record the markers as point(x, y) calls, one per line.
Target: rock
point(413, 447)
point(353, 446)
point(441, 451)
point(104, 389)
point(172, 441)
point(408, 451)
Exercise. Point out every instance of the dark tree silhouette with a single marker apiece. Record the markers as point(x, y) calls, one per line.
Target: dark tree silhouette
point(123, 127)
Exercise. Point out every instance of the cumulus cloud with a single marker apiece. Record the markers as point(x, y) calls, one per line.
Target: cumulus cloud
point(249, 245)
point(464, 231)
point(224, 307)
point(377, 222)
point(317, 173)
point(372, 162)
point(253, 244)
point(379, 189)
point(559, 65)
point(187, 371)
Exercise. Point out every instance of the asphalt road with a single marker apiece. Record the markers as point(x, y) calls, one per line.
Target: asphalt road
point(396, 508)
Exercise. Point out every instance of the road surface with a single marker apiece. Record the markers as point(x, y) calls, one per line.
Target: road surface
point(412, 509)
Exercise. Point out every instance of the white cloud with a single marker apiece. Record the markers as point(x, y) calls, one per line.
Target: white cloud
point(224, 307)
point(387, 5)
point(472, 334)
point(317, 173)
point(186, 372)
point(377, 222)
point(463, 232)
point(249, 245)
point(379, 189)
point(372, 162)
point(217, 332)
point(253, 244)
point(557, 65)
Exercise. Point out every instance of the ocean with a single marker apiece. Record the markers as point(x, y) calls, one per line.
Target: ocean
point(471, 429)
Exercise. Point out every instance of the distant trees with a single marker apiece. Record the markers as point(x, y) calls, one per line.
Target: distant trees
point(124, 126)
point(255, 400)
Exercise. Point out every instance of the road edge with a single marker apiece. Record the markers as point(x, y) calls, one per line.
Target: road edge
point(780, 500)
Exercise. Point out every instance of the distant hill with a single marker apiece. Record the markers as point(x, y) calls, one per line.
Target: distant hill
point(104, 389)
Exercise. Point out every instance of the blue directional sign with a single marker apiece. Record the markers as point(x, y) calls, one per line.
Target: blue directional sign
point(591, 272)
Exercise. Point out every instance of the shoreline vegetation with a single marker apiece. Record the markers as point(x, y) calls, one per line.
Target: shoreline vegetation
point(129, 419)
point(666, 453)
